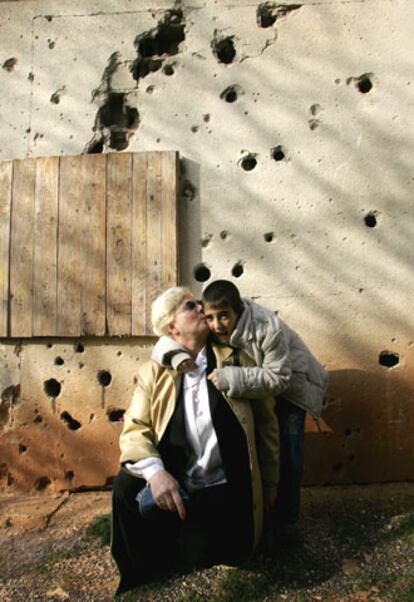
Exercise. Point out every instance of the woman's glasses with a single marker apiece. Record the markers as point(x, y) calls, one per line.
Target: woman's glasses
point(190, 305)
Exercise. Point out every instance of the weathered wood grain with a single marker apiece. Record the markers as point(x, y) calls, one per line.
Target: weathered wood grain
point(69, 279)
point(119, 239)
point(45, 247)
point(92, 191)
point(139, 245)
point(6, 174)
point(21, 248)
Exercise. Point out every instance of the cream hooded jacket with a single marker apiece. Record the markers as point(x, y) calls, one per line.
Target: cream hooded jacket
point(153, 404)
point(284, 364)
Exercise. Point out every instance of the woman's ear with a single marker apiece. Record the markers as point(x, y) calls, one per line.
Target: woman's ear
point(172, 330)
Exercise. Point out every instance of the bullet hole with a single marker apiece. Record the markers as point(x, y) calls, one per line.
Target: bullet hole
point(69, 475)
point(81, 365)
point(248, 162)
point(388, 359)
point(79, 348)
point(278, 153)
point(150, 89)
point(118, 140)
point(337, 467)
point(313, 124)
point(10, 64)
point(104, 378)
point(38, 419)
point(168, 70)
point(268, 12)
point(96, 146)
point(360, 290)
point(194, 129)
point(51, 44)
point(49, 18)
point(206, 118)
point(31, 76)
point(56, 96)
point(201, 273)
point(59, 361)
point(166, 38)
point(265, 16)
point(364, 83)
point(22, 448)
point(52, 387)
point(237, 270)
point(143, 66)
point(206, 240)
point(42, 483)
point(231, 93)
point(315, 109)
point(71, 422)
point(269, 236)
point(119, 353)
point(224, 234)
point(371, 219)
point(348, 432)
point(119, 118)
point(115, 415)
point(188, 191)
point(223, 48)
point(161, 42)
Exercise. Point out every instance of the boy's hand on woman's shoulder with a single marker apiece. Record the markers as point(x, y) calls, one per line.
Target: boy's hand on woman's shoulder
point(187, 366)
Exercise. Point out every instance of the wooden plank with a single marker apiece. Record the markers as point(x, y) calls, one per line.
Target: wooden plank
point(139, 245)
point(119, 207)
point(154, 232)
point(169, 234)
point(21, 249)
point(69, 247)
point(6, 174)
point(45, 247)
point(92, 191)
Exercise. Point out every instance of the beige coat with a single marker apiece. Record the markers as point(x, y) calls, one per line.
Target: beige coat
point(153, 404)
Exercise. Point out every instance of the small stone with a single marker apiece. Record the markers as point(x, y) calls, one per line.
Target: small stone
point(349, 567)
point(58, 593)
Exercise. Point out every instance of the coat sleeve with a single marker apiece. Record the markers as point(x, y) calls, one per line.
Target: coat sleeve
point(138, 439)
point(169, 353)
point(272, 377)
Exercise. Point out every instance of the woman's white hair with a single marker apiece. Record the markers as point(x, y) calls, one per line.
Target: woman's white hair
point(164, 306)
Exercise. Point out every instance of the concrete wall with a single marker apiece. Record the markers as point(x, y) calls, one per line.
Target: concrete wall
point(296, 140)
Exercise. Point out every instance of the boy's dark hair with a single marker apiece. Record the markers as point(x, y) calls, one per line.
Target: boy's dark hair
point(223, 293)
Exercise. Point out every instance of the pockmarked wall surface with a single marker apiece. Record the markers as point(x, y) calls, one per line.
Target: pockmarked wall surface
point(294, 127)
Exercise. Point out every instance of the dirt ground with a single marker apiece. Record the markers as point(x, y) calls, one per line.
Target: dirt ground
point(358, 545)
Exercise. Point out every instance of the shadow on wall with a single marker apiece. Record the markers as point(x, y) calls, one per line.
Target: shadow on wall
point(365, 428)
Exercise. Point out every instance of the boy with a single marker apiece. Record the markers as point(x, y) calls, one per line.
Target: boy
point(284, 368)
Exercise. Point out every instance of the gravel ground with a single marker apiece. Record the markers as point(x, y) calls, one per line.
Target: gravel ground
point(358, 545)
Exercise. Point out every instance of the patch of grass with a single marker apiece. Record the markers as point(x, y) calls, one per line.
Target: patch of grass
point(101, 527)
point(406, 526)
point(241, 584)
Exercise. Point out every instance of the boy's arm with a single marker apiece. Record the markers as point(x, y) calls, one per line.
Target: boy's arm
point(169, 353)
point(271, 378)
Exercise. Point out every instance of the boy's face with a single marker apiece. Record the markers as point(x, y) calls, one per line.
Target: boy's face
point(221, 321)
